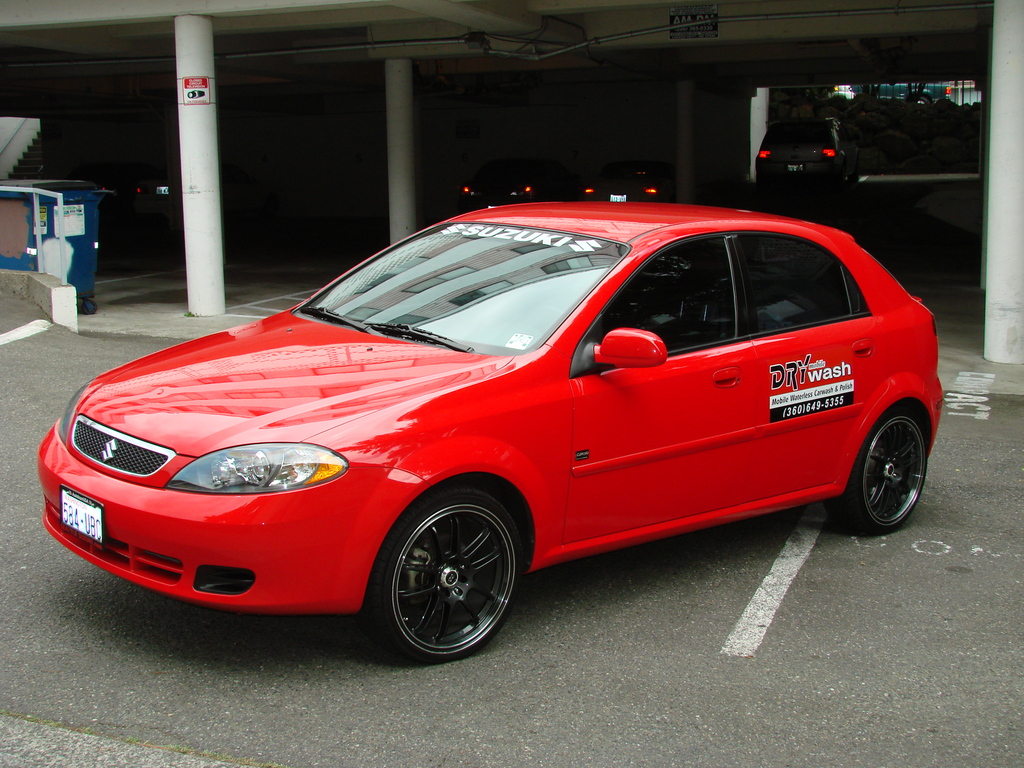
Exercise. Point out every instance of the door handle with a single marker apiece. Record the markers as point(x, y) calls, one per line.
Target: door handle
point(864, 347)
point(726, 377)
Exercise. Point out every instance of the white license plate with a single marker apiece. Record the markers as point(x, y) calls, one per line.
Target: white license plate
point(617, 199)
point(795, 167)
point(82, 514)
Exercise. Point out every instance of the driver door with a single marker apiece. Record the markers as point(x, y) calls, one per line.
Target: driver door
point(657, 444)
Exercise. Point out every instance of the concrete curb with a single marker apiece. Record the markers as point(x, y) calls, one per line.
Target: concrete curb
point(58, 301)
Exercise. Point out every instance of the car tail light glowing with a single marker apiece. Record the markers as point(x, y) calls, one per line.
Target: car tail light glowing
point(588, 191)
point(764, 153)
point(651, 190)
point(828, 152)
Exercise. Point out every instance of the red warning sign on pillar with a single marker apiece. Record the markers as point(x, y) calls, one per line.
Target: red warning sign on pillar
point(196, 90)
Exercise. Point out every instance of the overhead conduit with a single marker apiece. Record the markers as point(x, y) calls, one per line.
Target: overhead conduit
point(473, 40)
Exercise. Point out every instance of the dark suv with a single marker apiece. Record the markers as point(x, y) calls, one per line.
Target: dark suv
point(806, 149)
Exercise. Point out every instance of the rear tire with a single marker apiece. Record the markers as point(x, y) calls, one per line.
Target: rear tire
point(887, 478)
point(445, 577)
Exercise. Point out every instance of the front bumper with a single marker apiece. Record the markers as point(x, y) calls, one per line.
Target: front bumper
point(311, 550)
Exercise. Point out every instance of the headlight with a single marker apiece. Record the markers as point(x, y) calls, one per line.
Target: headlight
point(64, 425)
point(260, 469)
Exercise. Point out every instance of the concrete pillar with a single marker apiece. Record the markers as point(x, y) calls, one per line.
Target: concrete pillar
point(758, 123)
point(1004, 235)
point(401, 147)
point(686, 149)
point(200, 165)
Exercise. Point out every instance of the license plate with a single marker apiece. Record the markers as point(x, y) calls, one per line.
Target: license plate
point(81, 514)
point(617, 199)
point(795, 167)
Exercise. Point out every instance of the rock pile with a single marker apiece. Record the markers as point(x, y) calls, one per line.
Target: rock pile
point(896, 136)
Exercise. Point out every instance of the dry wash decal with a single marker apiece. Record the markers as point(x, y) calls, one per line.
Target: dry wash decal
point(831, 386)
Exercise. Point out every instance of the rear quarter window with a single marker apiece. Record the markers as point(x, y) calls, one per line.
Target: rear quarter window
point(794, 283)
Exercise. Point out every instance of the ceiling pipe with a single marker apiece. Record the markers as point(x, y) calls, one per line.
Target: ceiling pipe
point(895, 11)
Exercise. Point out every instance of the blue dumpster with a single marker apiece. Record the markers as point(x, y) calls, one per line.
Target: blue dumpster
point(38, 233)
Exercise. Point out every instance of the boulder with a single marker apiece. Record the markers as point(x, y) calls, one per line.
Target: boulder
point(896, 145)
point(921, 164)
point(872, 160)
point(948, 150)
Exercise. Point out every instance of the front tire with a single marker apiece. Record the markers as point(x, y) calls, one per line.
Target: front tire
point(445, 577)
point(887, 478)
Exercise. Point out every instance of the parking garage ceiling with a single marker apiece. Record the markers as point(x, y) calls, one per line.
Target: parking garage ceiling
point(115, 60)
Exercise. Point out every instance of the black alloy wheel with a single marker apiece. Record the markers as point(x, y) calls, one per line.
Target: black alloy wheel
point(887, 478)
point(445, 577)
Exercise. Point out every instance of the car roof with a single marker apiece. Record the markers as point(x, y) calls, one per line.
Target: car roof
point(625, 221)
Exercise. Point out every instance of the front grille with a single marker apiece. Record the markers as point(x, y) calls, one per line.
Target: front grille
point(117, 450)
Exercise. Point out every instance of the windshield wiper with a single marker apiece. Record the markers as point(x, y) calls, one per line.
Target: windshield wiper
point(412, 333)
point(326, 314)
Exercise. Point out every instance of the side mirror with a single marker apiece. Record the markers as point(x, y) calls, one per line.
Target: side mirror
point(631, 348)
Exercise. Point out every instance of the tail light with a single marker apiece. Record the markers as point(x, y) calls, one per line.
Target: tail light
point(651, 190)
point(828, 152)
point(764, 153)
point(588, 191)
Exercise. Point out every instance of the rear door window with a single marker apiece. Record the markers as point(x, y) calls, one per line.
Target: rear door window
point(795, 283)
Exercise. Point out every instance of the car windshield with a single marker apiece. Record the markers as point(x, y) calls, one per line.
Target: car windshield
point(487, 287)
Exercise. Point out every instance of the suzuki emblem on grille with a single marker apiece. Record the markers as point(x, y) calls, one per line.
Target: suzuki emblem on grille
point(108, 449)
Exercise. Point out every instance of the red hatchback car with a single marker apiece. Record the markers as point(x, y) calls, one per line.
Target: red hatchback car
point(507, 390)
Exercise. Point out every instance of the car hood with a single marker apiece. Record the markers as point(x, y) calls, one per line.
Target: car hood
point(283, 379)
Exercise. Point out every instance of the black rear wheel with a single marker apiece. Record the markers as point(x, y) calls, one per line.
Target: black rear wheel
point(887, 477)
point(445, 577)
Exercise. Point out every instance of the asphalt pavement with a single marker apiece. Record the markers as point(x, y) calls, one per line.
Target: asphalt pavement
point(901, 650)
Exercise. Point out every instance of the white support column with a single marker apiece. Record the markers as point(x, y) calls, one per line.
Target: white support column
point(200, 165)
point(686, 161)
point(401, 147)
point(758, 123)
point(1004, 224)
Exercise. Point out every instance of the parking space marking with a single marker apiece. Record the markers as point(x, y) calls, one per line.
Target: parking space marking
point(750, 630)
point(138, 277)
point(969, 394)
point(30, 329)
point(285, 302)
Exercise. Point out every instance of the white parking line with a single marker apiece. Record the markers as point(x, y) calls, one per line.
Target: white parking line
point(138, 277)
point(31, 329)
point(287, 301)
point(749, 631)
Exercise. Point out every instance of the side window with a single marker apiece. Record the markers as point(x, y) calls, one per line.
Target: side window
point(684, 294)
point(794, 282)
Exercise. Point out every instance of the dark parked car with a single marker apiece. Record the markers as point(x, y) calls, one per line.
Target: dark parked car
point(123, 179)
point(241, 194)
point(634, 181)
point(518, 180)
point(807, 149)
